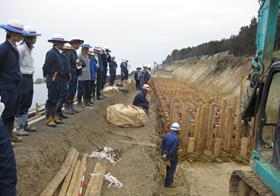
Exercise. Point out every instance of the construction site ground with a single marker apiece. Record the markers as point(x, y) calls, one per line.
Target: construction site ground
point(140, 170)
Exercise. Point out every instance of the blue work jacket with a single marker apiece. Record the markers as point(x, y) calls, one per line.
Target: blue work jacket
point(54, 63)
point(170, 145)
point(92, 68)
point(72, 62)
point(141, 101)
point(9, 64)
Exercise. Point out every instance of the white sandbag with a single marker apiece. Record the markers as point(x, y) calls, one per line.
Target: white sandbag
point(126, 116)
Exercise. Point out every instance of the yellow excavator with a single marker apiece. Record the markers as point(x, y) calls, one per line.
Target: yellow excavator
point(262, 103)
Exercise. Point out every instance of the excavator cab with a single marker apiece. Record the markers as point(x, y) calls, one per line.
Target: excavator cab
point(264, 179)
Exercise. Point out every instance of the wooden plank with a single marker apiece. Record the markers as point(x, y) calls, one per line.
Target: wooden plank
point(58, 178)
point(68, 177)
point(223, 118)
point(210, 126)
point(229, 128)
point(82, 168)
point(95, 183)
point(74, 178)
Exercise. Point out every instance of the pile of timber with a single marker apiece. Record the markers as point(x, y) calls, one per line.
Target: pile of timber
point(70, 179)
point(207, 123)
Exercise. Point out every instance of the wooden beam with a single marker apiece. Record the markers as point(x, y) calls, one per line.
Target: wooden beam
point(74, 178)
point(68, 177)
point(94, 186)
point(58, 178)
point(82, 169)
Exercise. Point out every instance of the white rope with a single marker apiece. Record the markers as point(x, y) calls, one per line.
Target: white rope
point(107, 153)
point(112, 180)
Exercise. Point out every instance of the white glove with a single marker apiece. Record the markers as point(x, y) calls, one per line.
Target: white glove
point(2, 107)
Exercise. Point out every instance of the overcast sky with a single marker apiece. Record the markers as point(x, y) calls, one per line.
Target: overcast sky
point(141, 30)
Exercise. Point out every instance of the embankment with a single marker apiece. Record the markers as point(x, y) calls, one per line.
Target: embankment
point(216, 77)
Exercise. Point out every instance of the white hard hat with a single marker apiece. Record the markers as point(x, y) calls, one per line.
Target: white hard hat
point(67, 46)
point(30, 32)
point(76, 39)
point(146, 87)
point(175, 127)
point(91, 51)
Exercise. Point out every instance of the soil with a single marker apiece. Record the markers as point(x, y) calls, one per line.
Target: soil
point(140, 170)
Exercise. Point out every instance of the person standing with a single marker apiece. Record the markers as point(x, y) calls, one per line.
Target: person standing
point(54, 71)
point(169, 152)
point(83, 79)
point(92, 74)
point(75, 42)
point(124, 71)
point(137, 75)
point(66, 53)
point(8, 171)
point(99, 73)
point(113, 67)
point(27, 69)
point(10, 75)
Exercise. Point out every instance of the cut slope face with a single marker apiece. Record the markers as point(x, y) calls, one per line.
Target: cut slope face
point(221, 77)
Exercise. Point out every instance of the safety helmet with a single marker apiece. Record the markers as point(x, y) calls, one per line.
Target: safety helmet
point(146, 87)
point(175, 127)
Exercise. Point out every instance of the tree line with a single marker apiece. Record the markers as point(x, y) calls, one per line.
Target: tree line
point(242, 44)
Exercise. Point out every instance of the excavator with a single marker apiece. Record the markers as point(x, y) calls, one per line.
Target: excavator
point(262, 104)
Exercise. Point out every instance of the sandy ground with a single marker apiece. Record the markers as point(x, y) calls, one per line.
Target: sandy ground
point(210, 179)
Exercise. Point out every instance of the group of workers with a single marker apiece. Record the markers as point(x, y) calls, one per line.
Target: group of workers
point(65, 72)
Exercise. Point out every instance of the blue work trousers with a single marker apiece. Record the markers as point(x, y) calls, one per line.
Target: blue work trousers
point(25, 95)
point(54, 90)
point(72, 88)
point(64, 91)
point(8, 174)
point(170, 171)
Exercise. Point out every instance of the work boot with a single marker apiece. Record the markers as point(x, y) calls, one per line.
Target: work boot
point(72, 108)
point(59, 112)
point(68, 109)
point(51, 122)
point(29, 128)
point(20, 132)
point(57, 121)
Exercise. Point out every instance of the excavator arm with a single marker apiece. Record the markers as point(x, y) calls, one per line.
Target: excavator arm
point(265, 39)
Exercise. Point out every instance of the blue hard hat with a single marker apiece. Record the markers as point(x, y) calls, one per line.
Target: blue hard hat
point(86, 46)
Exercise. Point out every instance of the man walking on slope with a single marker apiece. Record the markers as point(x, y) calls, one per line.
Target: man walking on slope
point(169, 149)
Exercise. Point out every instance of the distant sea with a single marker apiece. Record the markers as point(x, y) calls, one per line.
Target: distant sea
point(40, 94)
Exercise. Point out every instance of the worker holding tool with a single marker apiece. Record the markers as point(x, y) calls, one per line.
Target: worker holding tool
point(140, 99)
point(10, 75)
point(169, 152)
point(27, 69)
point(8, 175)
point(54, 72)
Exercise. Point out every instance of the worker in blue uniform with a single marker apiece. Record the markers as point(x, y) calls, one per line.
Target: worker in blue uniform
point(140, 99)
point(92, 74)
point(54, 72)
point(8, 175)
point(75, 42)
point(169, 151)
point(137, 76)
point(112, 69)
point(67, 50)
point(124, 71)
point(10, 75)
